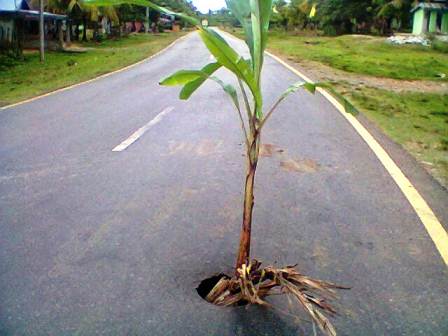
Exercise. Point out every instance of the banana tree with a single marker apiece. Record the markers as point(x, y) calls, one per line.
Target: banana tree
point(251, 283)
point(91, 11)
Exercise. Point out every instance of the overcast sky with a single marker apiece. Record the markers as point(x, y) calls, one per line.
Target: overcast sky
point(205, 5)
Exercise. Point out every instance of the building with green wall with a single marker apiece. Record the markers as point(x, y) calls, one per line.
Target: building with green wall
point(430, 17)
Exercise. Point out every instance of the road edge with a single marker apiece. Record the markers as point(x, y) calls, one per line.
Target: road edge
point(2, 108)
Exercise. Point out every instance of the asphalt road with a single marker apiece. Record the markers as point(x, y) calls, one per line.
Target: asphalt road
point(114, 243)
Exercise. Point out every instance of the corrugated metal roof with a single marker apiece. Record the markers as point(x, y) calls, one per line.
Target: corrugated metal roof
point(31, 14)
point(20, 8)
point(441, 6)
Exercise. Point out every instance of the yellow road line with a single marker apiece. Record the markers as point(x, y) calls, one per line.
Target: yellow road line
point(433, 226)
point(97, 78)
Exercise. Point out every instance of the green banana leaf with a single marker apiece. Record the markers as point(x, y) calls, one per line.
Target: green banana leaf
point(254, 16)
point(182, 77)
point(192, 86)
point(191, 78)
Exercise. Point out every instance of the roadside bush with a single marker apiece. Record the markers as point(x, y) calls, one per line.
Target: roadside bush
point(98, 37)
point(440, 46)
point(9, 60)
point(436, 43)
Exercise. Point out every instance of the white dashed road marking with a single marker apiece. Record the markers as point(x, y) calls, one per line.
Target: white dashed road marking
point(139, 133)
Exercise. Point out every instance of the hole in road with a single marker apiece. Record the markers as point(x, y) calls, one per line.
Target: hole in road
point(208, 284)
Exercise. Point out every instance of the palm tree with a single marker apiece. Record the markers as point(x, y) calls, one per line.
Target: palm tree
point(91, 12)
point(387, 10)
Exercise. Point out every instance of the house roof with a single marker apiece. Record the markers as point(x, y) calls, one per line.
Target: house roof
point(34, 15)
point(436, 5)
point(20, 8)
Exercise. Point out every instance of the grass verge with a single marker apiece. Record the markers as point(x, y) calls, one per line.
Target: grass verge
point(365, 55)
point(417, 121)
point(362, 54)
point(22, 79)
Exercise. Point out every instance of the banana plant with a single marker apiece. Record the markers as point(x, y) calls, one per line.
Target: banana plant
point(254, 16)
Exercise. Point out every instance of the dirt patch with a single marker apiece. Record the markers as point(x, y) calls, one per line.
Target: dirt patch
point(207, 147)
point(323, 73)
point(287, 163)
point(268, 150)
point(203, 148)
point(300, 166)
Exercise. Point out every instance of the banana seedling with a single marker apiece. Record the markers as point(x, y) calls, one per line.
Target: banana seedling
point(250, 283)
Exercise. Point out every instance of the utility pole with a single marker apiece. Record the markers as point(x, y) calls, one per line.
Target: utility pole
point(41, 31)
point(147, 21)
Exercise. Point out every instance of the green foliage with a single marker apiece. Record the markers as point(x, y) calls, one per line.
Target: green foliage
point(297, 13)
point(138, 13)
point(241, 10)
point(79, 9)
point(71, 7)
point(226, 56)
point(310, 87)
point(279, 15)
point(193, 79)
point(183, 77)
point(22, 79)
point(440, 46)
point(221, 17)
point(8, 61)
point(191, 87)
point(142, 3)
point(231, 91)
point(345, 16)
point(348, 106)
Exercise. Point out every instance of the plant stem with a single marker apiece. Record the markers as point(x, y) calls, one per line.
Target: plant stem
point(247, 105)
point(252, 161)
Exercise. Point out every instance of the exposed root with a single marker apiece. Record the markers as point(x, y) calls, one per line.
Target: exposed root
point(253, 284)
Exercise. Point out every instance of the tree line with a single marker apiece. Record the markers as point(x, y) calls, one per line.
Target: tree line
point(334, 17)
point(345, 16)
point(82, 15)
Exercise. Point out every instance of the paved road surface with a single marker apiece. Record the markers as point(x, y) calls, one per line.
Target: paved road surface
point(114, 243)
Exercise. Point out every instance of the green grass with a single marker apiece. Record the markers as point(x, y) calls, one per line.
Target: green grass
point(364, 55)
point(24, 79)
point(440, 46)
point(418, 121)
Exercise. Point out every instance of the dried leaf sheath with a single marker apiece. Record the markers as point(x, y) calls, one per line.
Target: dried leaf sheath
point(253, 284)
